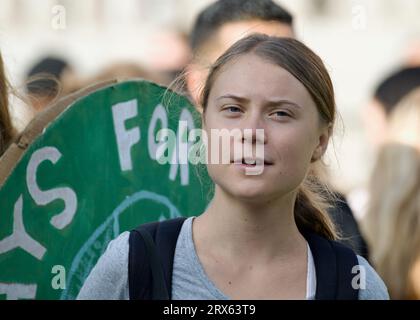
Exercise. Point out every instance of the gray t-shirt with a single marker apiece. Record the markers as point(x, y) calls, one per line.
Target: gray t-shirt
point(108, 280)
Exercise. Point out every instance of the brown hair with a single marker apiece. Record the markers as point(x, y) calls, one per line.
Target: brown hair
point(6, 128)
point(308, 68)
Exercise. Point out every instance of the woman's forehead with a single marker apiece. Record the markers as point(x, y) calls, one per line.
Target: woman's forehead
point(250, 75)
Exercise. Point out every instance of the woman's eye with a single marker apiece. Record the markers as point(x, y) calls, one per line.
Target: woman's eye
point(232, 109)
point(280, 114)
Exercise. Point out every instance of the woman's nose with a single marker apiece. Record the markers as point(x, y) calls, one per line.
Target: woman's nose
point(253, 131)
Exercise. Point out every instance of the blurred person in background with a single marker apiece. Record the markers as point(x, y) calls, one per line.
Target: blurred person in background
point(392, 222)
point(48, 79)
point(117, 71)
point(386, 96)
point(375, 116)
point(224, 22)
point(220, 25)
point(169, 55)
point(7, 131)
point(412, 53)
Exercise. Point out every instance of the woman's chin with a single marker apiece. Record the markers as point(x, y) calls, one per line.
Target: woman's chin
point(252, 192)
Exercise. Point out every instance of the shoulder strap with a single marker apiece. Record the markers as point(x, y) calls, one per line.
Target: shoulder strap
point(152, 249)
point(346, 261)
point(333, 264)
point(150, 259)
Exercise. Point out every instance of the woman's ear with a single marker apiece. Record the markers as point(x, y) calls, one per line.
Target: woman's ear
point(323, 140)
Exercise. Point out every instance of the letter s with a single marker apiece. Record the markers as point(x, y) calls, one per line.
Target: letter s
point(40, 197)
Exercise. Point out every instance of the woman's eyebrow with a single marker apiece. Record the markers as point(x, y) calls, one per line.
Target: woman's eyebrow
point(276, 103)
point(268, 104)
point(234, 97)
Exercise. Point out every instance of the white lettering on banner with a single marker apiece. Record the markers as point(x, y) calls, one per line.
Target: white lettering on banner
point(159, 114)
point(19, 237)
point(125, 138)
point(15, 291)
point(180, 156)
point(59, 221)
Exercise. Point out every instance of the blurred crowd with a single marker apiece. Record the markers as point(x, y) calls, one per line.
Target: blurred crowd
point(381, 221)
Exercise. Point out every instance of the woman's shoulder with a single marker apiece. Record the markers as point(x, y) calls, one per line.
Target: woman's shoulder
point(109, 277)
point(116, 253)
point(371, 285)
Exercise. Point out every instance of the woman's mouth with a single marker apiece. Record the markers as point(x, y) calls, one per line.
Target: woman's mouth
point(251, 162)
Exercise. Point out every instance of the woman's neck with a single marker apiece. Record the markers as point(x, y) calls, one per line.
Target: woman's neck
point(239, 229)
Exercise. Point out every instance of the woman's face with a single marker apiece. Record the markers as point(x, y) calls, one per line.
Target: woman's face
point(251, 93)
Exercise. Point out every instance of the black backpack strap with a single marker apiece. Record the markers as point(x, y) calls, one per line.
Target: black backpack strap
point(347, 260)
point(333, 264)
point(150, 259)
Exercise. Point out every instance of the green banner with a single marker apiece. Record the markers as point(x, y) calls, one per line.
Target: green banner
point(92, 174)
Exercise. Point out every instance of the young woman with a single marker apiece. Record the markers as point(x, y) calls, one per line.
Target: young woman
point(392, 224)
point(252, 241)
point(6, 128)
